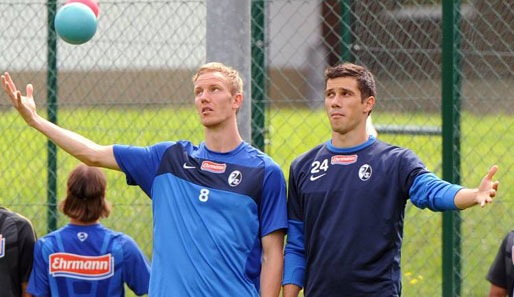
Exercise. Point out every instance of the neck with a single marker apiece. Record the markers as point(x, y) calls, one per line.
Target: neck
point(349, 139)
point(222, 139)
point(77, 222)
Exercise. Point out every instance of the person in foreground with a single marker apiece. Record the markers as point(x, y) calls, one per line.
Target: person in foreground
point(84, 258)
point(501, 273)
point(17, 239)
point(347, 197)
point(219, 208)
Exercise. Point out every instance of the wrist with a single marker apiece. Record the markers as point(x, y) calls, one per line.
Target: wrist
point(35, 122)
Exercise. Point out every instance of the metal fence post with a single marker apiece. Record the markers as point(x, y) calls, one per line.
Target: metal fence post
point(451, 85)
point(51, 85)
point(346, 30)
point(259, 72)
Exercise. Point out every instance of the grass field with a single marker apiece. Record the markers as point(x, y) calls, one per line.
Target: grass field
point(485, 141)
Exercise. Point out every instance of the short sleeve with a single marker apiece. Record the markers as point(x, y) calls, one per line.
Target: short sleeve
point(27, 239)
point(38, 282)
point(273, 205)
point(140, 164)
point(136, 271)
point(497, 271)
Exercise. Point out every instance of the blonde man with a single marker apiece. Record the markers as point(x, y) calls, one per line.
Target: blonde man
point(219, 208)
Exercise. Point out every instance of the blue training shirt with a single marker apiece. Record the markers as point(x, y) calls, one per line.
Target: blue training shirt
point(346, 210)
point(210, 211)
point(87, 260)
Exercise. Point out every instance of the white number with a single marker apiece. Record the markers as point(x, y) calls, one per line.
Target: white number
point(324, 165)
point(204, 195)
point(317, 166)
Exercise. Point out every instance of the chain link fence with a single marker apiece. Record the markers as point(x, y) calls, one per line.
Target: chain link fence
point(131, 84)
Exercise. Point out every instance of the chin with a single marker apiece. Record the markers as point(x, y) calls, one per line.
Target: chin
point(339, 129)
point(209, 123)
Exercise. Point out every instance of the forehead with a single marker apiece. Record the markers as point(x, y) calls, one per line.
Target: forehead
point(210, 78)
point(347, 82)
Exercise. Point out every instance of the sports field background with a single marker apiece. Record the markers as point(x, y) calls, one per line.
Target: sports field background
point(131, 84)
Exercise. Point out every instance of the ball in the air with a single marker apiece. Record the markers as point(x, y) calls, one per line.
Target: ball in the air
point(91, 3)
point(75, 23)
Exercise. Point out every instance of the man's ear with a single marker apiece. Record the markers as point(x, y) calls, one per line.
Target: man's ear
point(369, 104)
point(238, 101)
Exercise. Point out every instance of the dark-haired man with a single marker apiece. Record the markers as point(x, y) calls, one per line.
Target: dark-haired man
point(347, 198)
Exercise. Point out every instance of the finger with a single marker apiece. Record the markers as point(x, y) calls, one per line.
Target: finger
point(10, 82)
point(9, 90)
point(492, 171)
point(30, 90)
point(495, 185)
point(18, 99)
point(482, 204)
point(492, 193)
point(4, 84)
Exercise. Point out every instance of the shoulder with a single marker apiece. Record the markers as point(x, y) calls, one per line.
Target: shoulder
point(15, 219)
point(308, 156)
point(253, 157)
point(510, 237)
point(126, 242)
point(47, 244)
point(391, 151)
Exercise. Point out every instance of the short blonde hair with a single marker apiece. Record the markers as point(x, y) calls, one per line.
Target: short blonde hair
point(233, 75)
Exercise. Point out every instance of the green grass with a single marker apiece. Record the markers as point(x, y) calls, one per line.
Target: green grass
point(485, 141)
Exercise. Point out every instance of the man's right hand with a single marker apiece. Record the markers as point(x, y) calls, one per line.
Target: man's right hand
point(85, 150)
point(25, 105)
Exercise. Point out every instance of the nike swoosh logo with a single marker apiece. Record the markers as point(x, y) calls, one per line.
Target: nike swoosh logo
point(313, 178)
point(188, 167)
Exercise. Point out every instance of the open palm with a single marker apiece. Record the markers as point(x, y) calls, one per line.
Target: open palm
point(25, 105)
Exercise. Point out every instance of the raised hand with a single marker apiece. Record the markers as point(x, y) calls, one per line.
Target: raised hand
point(487, 188)
point(25, 105)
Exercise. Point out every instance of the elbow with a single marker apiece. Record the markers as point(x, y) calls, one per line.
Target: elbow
point(92, 156)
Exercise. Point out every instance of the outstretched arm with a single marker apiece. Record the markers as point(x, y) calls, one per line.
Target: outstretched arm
point(76, 145)
point(482, 195)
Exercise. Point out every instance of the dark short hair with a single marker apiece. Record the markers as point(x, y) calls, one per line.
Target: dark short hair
point(365, 79)
point(85, 195)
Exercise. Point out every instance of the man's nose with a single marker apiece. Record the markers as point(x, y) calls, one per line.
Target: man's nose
point(204, 97)
point(336, 102)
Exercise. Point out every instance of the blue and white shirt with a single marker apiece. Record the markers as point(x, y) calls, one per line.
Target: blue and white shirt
point(210, 211)
point(346, 209)
point(88, 260)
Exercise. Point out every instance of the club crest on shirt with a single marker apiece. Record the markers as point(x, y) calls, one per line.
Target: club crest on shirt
point(213, 167)
point(2, 246)
point(82, 236)
point(343, 159)
point(81, 267)
point(365, 172)
point(235, 178)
